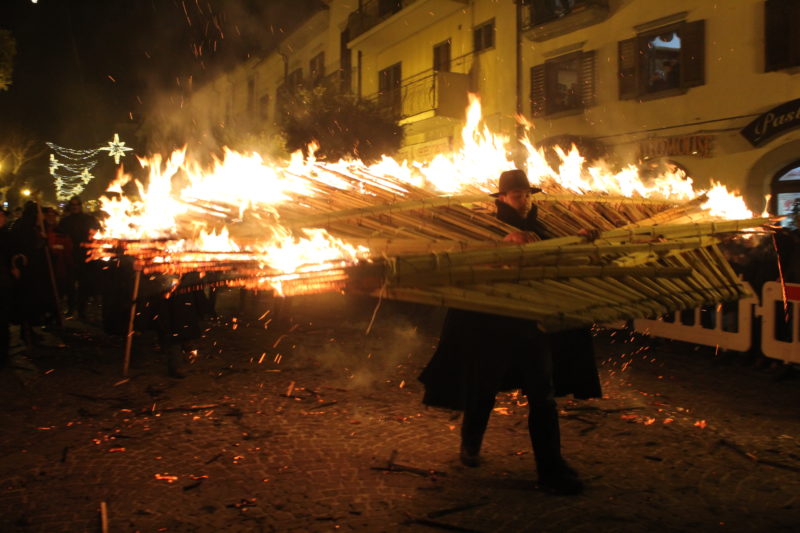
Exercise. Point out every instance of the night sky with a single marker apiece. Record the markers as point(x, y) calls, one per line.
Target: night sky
point(86, 69)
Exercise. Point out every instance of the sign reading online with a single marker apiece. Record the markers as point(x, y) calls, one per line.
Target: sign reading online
point(697, 145)
point(773, 123)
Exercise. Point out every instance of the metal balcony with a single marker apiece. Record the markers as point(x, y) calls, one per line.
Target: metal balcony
point(435, 94)
point(386, 22)
point(545, 19)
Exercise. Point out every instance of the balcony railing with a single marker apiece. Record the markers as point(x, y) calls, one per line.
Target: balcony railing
point(373, 12)
point(435, 93)
point(545, 19)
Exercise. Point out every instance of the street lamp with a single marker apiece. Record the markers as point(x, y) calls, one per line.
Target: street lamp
point(26, 192)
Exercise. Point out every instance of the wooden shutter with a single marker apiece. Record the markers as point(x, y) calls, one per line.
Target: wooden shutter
point(693, 53)
point(538, 90)
point(781, 36)
point(628, 59)
point(587, 79)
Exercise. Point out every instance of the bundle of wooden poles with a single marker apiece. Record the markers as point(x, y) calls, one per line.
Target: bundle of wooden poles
point(651, 256)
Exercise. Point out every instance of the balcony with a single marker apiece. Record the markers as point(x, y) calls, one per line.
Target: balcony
point(545, 19)
point(386, 22)
point(434, 94)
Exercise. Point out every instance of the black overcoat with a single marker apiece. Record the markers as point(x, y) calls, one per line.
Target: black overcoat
point(481, 353)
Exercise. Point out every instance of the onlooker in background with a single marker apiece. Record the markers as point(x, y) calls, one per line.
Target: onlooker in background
point(787, 245)
point(79, 227)
point(32, 294)
point(61, 254)
point(6, 278)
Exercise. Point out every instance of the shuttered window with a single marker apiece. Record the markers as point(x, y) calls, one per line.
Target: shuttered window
point(441, 56)
point(781, 34)
point(565, 83)
point(483, 36)
point(390, 95)
point(664, 61)
point(316, 68)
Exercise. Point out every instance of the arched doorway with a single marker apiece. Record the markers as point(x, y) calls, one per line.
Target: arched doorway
point(785, 189)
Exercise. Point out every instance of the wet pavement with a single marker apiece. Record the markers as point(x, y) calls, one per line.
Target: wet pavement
point(313, 425)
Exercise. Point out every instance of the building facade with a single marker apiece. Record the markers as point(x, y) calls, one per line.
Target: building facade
point(709, 87)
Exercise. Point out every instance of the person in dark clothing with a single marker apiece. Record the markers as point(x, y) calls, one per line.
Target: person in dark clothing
point(176, 318)
point(8, 274)
point(79, 227)
point(61, 254)
point(481, 354)
point(171, 306)
point(32, 292)
point(787, 245)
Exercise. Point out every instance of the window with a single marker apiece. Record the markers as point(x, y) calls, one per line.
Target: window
point(781, 36)
point(295, 79)
point(263, 107)
point(251, 94)
point(483, 36)
point(346, 60)
point(389, 7)
point(316, 68)
point(786, 191)
point(389, 95)
point(663, 61)
point(543, 11)
point(563, 84)
point(441, 56)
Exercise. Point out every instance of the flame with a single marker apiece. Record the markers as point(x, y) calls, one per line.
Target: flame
point(288, 254)
point(724, 204)
point(242, 187)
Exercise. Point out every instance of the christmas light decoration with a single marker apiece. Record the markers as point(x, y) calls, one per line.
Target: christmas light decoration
point(116, 149)
point(72, 168)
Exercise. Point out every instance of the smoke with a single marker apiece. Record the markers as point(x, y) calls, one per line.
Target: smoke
point(186, 102)
point(359, 361)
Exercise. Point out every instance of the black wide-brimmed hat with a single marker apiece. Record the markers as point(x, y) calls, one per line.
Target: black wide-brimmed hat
point(514, 180)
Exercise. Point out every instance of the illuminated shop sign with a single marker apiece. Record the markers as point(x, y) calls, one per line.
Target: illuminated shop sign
point(773, 123)
point(696, 145)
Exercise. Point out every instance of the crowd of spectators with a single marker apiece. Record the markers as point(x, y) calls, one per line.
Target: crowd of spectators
point(46, 277)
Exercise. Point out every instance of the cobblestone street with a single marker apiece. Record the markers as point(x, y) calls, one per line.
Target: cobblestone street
point(315, 426)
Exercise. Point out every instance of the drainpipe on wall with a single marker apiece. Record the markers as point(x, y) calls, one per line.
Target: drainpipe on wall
point(520, 130)
point(359, 73)
point(285, 58)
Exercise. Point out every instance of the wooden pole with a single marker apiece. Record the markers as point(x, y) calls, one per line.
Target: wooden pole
point(50, 271)
point(103, 517)
point(129, 338)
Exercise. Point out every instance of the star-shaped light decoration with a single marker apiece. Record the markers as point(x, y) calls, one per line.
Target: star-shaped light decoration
point(54, 164)
point(116, 149)
point(86, 176)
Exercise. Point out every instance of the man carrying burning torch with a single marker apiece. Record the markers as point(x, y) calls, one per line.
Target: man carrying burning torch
point(481, 354)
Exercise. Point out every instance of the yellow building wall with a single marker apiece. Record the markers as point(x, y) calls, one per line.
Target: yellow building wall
point(494, 69)
point(736, 87)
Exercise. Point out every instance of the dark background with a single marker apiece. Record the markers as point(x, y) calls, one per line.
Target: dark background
point(86, 69)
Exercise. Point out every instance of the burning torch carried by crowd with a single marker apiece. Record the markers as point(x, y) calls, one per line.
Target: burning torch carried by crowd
point(425, 233)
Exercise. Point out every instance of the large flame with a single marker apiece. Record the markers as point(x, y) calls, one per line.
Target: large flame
point(252, 184)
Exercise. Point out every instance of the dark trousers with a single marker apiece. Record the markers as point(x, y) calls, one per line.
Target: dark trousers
point(537, 372)
point(81, 286)
point(5, 319)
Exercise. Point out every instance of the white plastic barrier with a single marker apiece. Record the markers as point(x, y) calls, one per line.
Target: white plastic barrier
point(774, 318)
point(739, 339)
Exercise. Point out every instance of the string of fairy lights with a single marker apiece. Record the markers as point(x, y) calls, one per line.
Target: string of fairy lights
point(72, 169)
